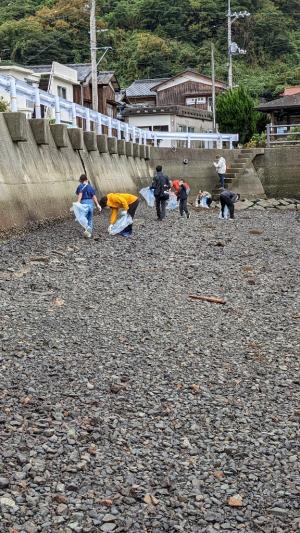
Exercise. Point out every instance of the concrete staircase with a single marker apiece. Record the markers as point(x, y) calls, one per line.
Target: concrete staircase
point(236, 168)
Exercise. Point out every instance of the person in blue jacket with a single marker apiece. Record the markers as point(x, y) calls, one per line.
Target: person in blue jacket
point(86, 195)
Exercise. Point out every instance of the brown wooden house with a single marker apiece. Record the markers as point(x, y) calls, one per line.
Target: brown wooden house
point(108, 87)
point(189, 88)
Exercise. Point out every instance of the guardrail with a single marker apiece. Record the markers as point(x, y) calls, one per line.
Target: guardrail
point(283, 134)
point(116, 128)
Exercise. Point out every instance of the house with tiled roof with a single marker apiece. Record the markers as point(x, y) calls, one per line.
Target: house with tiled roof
point(182, 103)
point(73, 82)
point(284, 110)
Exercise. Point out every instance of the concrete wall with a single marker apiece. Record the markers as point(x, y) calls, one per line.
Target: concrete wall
point(38, 181)
point(200, 171)
point(279, 171)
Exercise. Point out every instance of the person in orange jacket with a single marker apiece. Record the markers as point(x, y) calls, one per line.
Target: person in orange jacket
point(123, 201)
point(176, 186)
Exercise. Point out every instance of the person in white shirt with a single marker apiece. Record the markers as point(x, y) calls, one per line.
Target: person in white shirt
point(220, 166)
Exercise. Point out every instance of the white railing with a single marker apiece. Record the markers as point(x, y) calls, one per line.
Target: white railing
point(14, 88)
point(209, 140)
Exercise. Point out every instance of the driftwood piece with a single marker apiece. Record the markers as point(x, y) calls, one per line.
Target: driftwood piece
point(212, 299)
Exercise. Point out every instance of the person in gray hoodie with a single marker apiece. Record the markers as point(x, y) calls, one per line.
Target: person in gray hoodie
point(228, 198)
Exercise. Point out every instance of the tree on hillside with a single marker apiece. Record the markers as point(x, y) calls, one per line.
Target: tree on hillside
point(236, 114)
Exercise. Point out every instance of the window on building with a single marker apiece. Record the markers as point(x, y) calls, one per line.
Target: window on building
point(195, 101)
point(160, 128)
point(191, 130)
point(61, 92)
point(181, 128)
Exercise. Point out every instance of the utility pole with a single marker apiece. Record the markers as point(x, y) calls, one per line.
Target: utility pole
point(233, 47)
point(213, 86)
point(229, 47)
point(93, 47)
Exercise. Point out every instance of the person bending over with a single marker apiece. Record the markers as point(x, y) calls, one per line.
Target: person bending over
point(228, 198)
point(123, 201)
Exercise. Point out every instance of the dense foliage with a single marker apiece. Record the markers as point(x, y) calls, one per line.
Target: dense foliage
point(160, 37)
point(236, 114)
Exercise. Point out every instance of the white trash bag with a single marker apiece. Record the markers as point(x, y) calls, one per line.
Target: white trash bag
point(203, 202)
point(80, 211)
point(172, 203)
point(148, 195)
point(122, 223)
point(226, 213)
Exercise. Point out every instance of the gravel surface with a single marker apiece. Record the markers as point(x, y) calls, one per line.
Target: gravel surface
point(127, 406)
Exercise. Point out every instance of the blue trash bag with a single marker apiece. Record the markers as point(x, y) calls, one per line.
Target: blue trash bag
point(226, 213)
point(148, 195)
point(172, 203)
point(203, 202)
point(122, 223)
point(80, 211)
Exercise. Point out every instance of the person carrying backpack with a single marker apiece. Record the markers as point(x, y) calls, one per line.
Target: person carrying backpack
point(160, 186)
point(182, 196)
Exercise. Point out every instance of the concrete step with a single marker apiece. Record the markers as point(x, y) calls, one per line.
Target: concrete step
point(243, 159)
point(246, 151)
point(236, 165)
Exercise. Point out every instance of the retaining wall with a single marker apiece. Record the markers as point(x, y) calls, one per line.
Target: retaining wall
point(200, 171)
point(40, 165)
point(279, 171)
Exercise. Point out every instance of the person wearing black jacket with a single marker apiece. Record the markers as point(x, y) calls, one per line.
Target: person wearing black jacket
point(228, 198)
point(160, 185)
point(182, 196)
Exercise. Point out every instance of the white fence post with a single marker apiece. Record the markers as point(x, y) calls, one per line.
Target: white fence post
point(13, 95)
point(57, 110)
point(188, 141)
point(37, 103)
point(88, 120)
point(109, 127)
point(127, 136)
point(119, 131)
point(155, 140)
point(74, 118)
point(99, 125)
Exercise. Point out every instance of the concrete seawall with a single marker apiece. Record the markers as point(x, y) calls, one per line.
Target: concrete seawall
point(40, 165)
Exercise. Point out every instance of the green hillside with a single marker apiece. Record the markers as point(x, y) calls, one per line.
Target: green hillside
point(152, 38)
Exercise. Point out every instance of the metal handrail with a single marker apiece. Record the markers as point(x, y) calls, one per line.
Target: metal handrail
point(38, 97)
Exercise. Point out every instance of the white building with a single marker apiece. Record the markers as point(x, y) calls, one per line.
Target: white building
point(26, 75)
point(182, 103)
point(59, 80)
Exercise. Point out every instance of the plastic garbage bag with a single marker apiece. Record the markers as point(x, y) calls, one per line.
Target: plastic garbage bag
point(226, 213)
point(148, 195)
point(80, 211)
point(203, 202)
point(172, 203)
point(120, 225)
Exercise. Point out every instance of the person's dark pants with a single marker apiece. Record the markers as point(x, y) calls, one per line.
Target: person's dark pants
point(230, 206)
point(160, 207)
point(209, 201)
point(183, 207)
point(222, 180)
point(131, 211)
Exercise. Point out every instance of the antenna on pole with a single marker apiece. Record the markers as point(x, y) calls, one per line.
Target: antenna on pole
point(233, 47)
